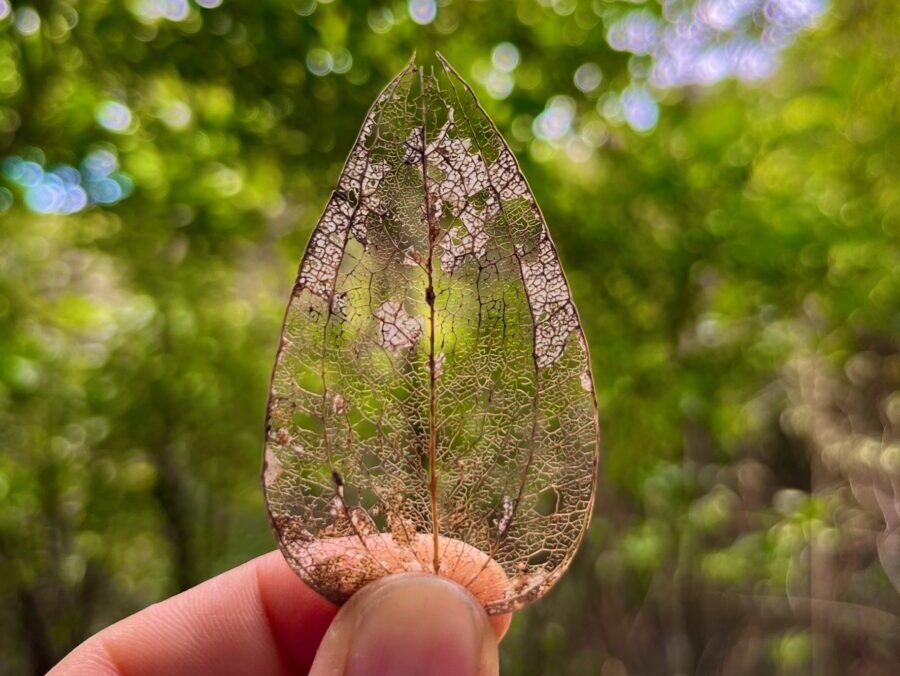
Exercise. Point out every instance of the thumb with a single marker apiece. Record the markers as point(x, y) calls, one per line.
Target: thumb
point(412, 624)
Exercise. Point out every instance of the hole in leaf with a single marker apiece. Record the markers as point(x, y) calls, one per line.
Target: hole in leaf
point(547, 501)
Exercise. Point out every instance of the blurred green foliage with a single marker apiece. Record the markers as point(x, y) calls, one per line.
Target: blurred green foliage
point(735, 262)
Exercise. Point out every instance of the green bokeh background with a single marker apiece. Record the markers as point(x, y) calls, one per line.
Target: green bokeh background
point(736, 267)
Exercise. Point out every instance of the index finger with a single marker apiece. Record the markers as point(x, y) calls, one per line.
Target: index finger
point(259, 619)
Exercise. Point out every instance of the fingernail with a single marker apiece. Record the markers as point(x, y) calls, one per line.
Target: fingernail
point(410, 624)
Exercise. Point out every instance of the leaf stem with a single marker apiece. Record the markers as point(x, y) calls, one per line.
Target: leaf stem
point(429, 298)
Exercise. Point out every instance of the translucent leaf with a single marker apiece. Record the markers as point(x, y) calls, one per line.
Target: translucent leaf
point(432, 407)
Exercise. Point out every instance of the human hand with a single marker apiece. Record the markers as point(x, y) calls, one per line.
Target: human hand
point(261, 619)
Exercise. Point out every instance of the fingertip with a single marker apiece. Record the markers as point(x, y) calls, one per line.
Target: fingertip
point(410, 623)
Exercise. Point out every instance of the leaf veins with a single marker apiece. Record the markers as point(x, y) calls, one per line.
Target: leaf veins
point(432, 406)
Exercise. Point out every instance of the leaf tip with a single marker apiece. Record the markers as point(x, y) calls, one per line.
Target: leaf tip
point(443, 61)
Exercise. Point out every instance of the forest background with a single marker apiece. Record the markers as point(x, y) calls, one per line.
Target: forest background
point(720, 176)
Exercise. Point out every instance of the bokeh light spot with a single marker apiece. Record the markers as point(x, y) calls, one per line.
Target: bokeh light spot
point(67, 174)
point(154, 10)
point(75, 200)
point(305, 7)
point(724, 15)
point(588, 77)
point(342, 60)
point(564, 7)
point(639, 108)
point(422, 12)
point(176, 115)
point(594, 133)
point(499, 84)
point(27, 21)
point(114, 116)
point(45, 198)
point(126, 185)
point(610, 107)
point(555, 120)
point(11, 168)
point(637, 32)
point(381, 20)
point(319, 61)
point(505, 57)
point(105, 191)
point(176, 10)
point(99, 164)
point(30, 174)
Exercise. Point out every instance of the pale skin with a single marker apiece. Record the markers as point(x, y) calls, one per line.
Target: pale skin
point(261, 619)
